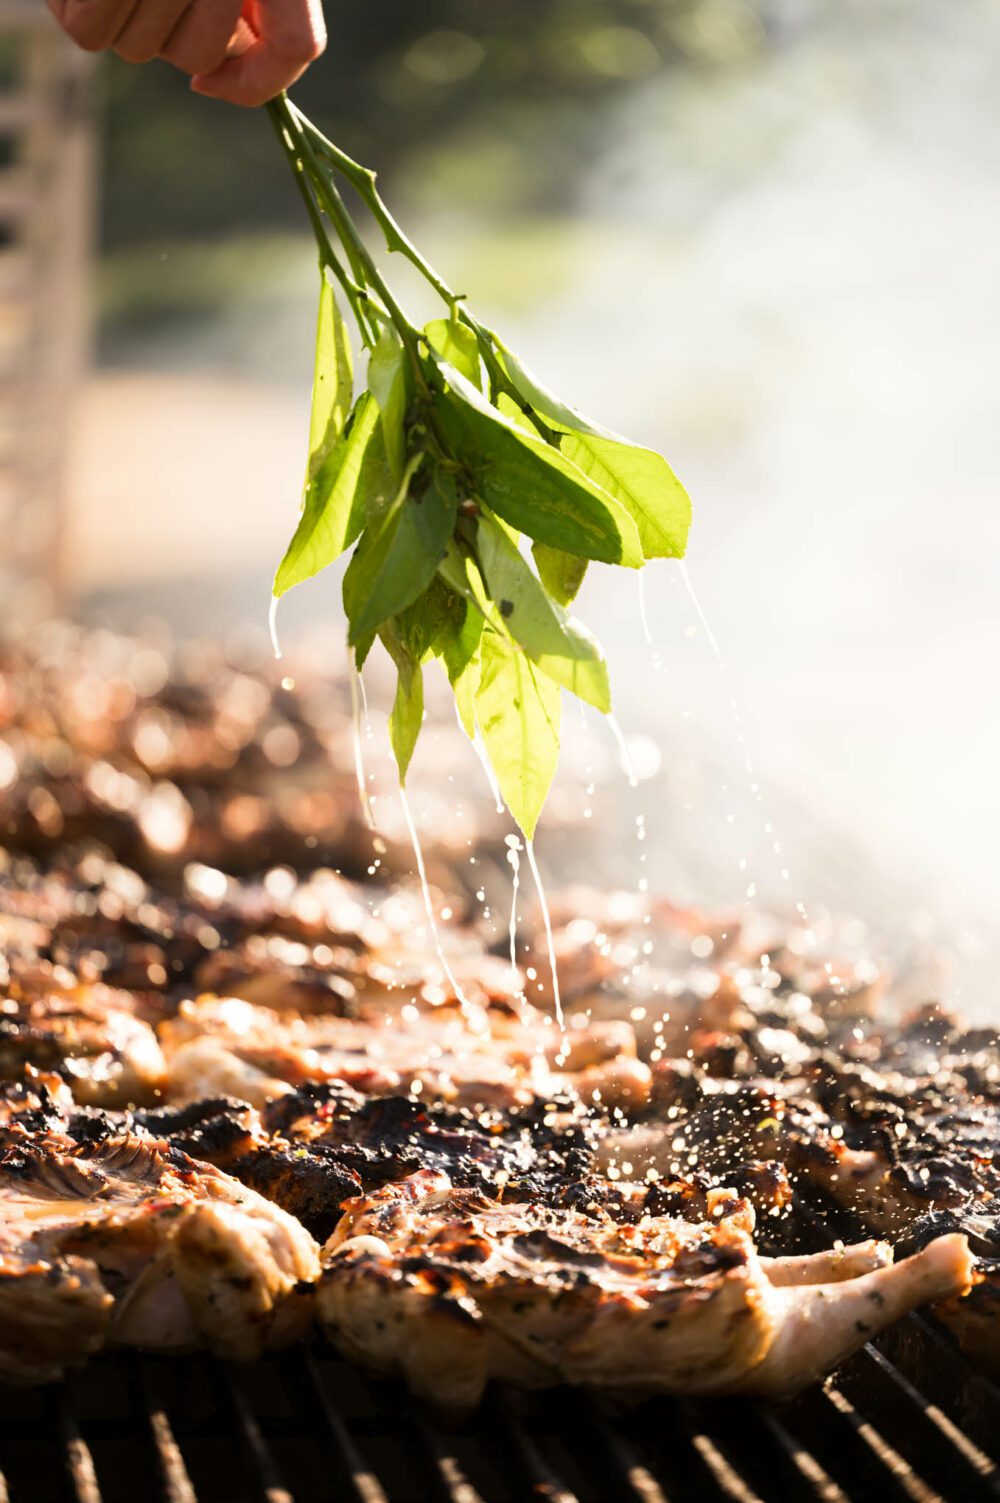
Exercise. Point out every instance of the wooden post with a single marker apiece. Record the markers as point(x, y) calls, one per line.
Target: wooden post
point(46, 218)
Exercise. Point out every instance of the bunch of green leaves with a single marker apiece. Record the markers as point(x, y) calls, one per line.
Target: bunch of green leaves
point(474, 499)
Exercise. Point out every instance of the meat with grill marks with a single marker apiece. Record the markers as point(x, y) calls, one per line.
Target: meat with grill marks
point(313, 1149)
point(125, 1241)
point(909, 1152)
point(450, 1288)
point(906, 1139)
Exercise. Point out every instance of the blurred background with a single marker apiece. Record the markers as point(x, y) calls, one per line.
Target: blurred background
point(761, 235)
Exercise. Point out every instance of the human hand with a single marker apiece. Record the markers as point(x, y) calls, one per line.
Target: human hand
point(243, 51)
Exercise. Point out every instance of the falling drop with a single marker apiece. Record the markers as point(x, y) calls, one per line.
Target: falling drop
point(514, 849)
point(272, 625)
point(702, 618)
point(529, 846)
point(357, 690)
point(418, 856)
point(623, 751)
point(641, 581)
point(478, 746)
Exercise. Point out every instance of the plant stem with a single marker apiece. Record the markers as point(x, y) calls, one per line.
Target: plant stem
point(363, 181)
point(349, 234)
point(355, 294)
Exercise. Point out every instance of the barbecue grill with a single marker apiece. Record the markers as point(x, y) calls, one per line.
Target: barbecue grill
point(906, 1419)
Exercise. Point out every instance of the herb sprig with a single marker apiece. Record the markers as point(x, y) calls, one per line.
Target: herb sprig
point(450, 457)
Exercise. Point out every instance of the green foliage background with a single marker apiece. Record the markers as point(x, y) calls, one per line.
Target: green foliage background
point(488, 101)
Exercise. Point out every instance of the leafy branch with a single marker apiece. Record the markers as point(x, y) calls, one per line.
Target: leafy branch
point(439, 473)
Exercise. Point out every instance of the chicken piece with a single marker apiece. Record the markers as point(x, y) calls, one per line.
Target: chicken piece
point(91, 1036)
point(315, 1148)
point(451, 1290)
point(473, 1056)
point(128, 1242)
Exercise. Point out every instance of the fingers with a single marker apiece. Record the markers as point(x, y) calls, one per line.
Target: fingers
point(243, 51)
point(199, 42)
point(148, 30)
point(289, 35)
point(194, 35)
point(93, 24)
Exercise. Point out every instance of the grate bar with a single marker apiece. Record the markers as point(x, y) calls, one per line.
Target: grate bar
point(454, 1485)
point(894, 1477)
point(357, 1483)
point(803, 1475)
point(535, 1472)
point(729, 1480)
point(686, 1462)
point(76, 1453)
point(176, 1485)
point(632, 1480)
point(946, 1457)
point(262, 1471)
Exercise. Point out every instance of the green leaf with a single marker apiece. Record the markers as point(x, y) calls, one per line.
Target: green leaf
point(333, 511)
point(396, 559)
point(531, 484)
point(508, 408)
point(333, 379)
point(387, 383)
point(407, 715)
point(561, 573)
point(518, 710)
point(459, 648)
point(456, 343)
point(638, 478)
point(561, 646)
point(461, 574)
point(545, 402)
point(430, 620)
point(644, 484)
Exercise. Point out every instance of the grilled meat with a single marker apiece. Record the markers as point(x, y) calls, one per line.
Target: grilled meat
point(125, 1241)
point(224, 1046)
point(450, 1289)
point(91, 1036)
point(313, 1149)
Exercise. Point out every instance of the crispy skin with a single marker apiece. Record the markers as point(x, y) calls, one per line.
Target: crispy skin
point(311, 1150)
point(450, 1289)
point(128, 1242)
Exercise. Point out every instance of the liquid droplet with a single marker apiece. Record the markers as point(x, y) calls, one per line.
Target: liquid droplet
point(623, 751)
point(529, 846)
point(418, 856)
point(514, 859)
point(641, 581)
point(357, 691)
point(479, 747)
point(702, 618)
point(272, 625)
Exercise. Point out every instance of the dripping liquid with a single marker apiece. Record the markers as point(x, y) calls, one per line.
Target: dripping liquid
point(418, 856)
point(529, 846)
point(357, 697)
point(800, 908)
point(623, 751)
point(272, 625)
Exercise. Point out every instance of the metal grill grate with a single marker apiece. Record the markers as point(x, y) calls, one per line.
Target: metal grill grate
point(306, 1426)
